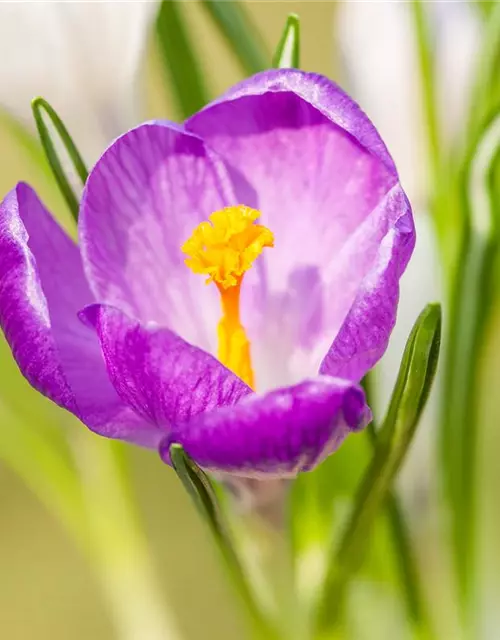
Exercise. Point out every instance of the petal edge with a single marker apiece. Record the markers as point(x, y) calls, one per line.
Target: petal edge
point(275, 435)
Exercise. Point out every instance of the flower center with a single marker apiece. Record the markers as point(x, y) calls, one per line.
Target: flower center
point(224, 249)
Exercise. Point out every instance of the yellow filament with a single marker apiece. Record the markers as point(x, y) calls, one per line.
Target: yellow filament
point(224, 249)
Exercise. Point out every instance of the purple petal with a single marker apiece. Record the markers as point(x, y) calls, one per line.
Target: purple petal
point(329, 191)
point(142, 200)
point(314, 159)
point(364, 335)
point(274, 435)
point(162, 377)
point(313, 89)
point(42, 286)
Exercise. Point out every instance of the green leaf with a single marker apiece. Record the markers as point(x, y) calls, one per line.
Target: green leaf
point(405, 556)
point(179, 59)
point(239, 32)
point(414, 381)
point(410, 394)
point(287, 54)
point(401, 546)
point(39, 105)
point(486, 89)
point(199, 488)
point(474, 293)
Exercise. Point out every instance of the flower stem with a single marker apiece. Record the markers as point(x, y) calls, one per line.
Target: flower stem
point(402, 545)
point(413, 385)
point(201, 490)
point(405, 558)
point(267, 557)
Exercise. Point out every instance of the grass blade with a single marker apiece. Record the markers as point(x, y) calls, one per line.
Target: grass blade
point(410, 394)
point(239, 32)
point(199, 488)
point(179, 59)
point(287, 54)
point(471, 305)
point(39, 105)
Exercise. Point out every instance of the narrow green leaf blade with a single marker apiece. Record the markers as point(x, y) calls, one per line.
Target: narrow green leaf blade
point(415, 379)
point(179, 58)
point(411, 391)
point(406, 558)
point(39, 105)
point(287, 54)
point(474, 294)
point(199, 488)
point(239, 32)
point(402, 547)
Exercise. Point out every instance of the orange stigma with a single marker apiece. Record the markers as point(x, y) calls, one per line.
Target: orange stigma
point(224, 249)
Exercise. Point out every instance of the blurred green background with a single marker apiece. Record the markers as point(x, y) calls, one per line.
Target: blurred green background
point(49, 587)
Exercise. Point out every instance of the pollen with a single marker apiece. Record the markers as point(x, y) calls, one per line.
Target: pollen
point(227, 246)
point(224, 249)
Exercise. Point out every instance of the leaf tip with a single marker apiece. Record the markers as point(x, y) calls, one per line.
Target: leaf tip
point(433, 317)
point(288, 50)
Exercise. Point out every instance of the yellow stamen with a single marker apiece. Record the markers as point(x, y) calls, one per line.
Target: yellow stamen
point(224, 249)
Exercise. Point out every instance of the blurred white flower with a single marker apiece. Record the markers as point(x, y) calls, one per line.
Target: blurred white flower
point(378, 45)
point(457, 40)
point(83, 57)
point(377, 41)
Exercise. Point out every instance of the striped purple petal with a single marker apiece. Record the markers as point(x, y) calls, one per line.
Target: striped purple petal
point(42, 287)
point(159, 375)
point(278, 434)
point(364, 334)
point(142, 200)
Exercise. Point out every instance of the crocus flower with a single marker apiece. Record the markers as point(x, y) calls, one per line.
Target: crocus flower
point(235, 279)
